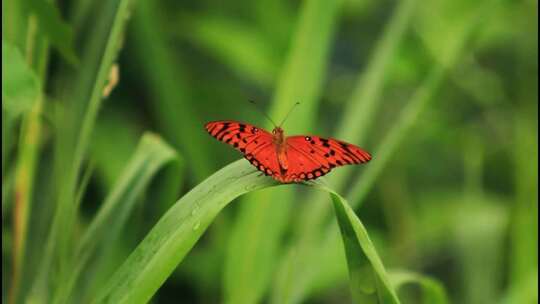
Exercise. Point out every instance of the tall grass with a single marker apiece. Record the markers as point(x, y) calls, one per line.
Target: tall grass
point(90, 216)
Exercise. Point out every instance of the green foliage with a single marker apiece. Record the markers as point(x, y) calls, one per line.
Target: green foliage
point(113, 192)
point(151, 154)
point(56, 30)
point(239, 46)
point(21, 88)
point(432, 291)
point(368, 279)
point(180, 228)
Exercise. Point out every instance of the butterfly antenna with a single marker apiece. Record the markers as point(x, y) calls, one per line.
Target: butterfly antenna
point(256, 105)
point(289, 113)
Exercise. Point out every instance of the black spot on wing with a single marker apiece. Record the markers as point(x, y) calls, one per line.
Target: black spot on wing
point(325, 142)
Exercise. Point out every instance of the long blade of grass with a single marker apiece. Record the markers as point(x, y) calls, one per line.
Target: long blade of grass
point(179, 229)
point(151, 155)
point(524, 221)
point(169, 89)
point(248, 269)
point(74, 133)
point(21, 95)
point(368, 279)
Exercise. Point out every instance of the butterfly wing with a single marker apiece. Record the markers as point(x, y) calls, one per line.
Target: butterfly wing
point(310, 157)
point(256, 144)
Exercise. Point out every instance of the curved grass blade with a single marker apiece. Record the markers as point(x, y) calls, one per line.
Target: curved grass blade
point(432, 291)
point(151, 155)
point(178, 230)
point(368, 279)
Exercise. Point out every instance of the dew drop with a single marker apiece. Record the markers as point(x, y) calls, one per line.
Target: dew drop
point(250, 187)
point(195, 210)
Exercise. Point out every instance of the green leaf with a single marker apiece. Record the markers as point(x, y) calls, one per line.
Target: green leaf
point(20, 85)
point(524, 291)
point(524, 221)
point(152, 154)
point(57, 31)
point(21, 90)
point(368, 279)
point(169, 89)
point(178, 230)
point(432, 291)
point(21, 94)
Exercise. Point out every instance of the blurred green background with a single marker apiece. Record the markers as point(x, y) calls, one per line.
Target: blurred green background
point(442, 93)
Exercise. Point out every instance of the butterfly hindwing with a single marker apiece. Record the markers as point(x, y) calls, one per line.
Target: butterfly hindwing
point(255, 143)
point(311, 156)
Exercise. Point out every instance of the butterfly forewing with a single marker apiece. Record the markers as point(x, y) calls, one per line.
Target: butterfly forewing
point(312, 156)
point(255, 143)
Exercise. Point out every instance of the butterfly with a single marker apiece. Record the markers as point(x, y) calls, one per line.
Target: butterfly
point(287, 159)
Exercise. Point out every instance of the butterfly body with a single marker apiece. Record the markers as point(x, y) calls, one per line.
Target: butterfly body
point(287, 159)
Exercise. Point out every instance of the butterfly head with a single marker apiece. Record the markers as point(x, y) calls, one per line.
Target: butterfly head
point(278, 135)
